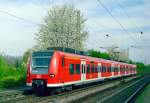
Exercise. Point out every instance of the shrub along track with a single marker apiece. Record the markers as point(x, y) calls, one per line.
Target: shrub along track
point(70, 96)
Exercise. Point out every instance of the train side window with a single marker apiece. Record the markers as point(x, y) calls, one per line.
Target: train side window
point(103, 69)
point(120, 69)
point(109, 69)
point(63, 61)
point(130, 69)
point(123, 69)
point(93, 69)
point(71, 68)
point(88, 68)
point(77, 68)
point(115, 69)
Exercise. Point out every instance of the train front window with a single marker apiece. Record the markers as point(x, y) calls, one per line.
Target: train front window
point(41, 62)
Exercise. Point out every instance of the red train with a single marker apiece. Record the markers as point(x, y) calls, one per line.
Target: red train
point(56, 68)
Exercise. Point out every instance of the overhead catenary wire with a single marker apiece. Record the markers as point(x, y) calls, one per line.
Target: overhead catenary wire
point(116, 20)
point(20, 18)
point(131, 21)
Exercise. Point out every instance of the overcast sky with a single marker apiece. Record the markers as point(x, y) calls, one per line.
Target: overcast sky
point(16, 36)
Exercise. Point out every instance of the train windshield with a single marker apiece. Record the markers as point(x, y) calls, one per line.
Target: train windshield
point(41, 62)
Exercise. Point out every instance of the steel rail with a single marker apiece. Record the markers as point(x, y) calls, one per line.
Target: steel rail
point(133, 96)
point(126, 94)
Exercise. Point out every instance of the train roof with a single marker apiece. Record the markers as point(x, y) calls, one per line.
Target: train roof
point(93, 58)
point(76, 53)
point(68, 50)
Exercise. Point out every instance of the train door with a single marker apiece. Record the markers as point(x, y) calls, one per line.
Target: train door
point(109, 70)
point(112, 70)
point(126, 70)
point(99, 70)
point(119, 74)
point(83, 70)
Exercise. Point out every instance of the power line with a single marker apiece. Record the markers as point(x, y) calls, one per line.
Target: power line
point(131, 21)
point(20, 18)
point(116, 20)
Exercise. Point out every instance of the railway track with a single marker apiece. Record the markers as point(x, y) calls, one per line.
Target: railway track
point(70, 96)
point(125, 93)
point(132, 98)
point(128, 93)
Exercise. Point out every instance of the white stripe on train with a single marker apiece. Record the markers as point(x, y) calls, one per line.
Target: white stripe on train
point(80, 81)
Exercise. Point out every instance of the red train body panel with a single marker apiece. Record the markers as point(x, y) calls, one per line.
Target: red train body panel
point(62, 69)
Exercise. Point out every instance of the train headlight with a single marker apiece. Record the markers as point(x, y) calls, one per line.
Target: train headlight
point(52, 75)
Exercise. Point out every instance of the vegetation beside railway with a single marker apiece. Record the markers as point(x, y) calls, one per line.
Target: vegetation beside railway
point(11, 74)
point(98, 54)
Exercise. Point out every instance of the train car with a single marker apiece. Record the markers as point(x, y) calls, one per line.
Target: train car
point(53, 69)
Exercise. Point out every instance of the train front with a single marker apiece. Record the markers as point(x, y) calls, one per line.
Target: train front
point(38, 70)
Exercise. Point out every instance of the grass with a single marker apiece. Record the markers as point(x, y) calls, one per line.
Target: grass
point(144, 97)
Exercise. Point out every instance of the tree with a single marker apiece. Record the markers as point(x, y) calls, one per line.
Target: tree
point(26, 56)
point(64, 26)
point(118, 55)
point(94, 53)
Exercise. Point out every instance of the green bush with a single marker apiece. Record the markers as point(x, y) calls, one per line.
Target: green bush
point(142, 68)
point(11, 76)
point(21, 80)
point(94, 53)
point(1, 84)
point(8, 82)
